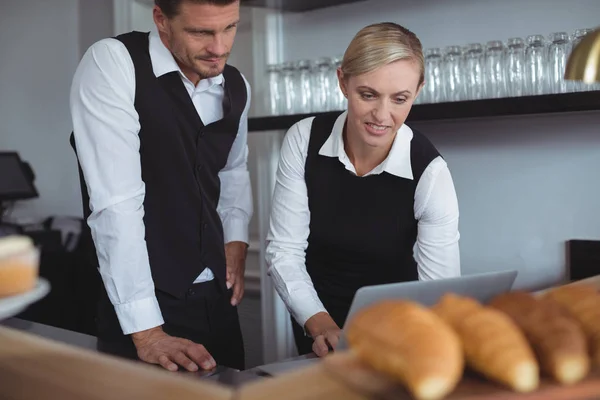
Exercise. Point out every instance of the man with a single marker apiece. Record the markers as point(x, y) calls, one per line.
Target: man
point(160, 129)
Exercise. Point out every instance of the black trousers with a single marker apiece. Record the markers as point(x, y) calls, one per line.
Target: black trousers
point(204, 316)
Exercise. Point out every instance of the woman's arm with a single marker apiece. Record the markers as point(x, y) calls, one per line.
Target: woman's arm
point(436, 208)
point(287, 239)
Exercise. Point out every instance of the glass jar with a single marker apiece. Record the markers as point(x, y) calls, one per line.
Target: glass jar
point(434, 90)
point(289, 89)
point(303, 96)
point(321, 84)
point(474, 70)
point(515, 67)
point(453, 77)
point(275, 89)
point(535, 58)
point(495, 73)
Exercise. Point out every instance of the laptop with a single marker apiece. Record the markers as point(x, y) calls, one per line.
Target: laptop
point(482, 287)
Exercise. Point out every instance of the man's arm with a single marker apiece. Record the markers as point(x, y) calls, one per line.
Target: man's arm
point(235, 202)
point(436, 208)
point(236, 206)
point(106, 128)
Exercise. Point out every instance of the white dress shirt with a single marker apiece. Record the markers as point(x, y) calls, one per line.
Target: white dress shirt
point(106, 128)
point(435, 209)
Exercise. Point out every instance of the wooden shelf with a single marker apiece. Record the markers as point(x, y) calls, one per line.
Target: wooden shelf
point(544, 104)
point(295, 5)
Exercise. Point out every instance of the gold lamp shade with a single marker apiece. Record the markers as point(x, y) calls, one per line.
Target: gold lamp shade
point(584, 62)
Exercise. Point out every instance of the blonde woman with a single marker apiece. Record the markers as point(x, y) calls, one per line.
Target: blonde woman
point(356, 191)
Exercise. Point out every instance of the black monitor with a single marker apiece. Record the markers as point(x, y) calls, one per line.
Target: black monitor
point(16, 178)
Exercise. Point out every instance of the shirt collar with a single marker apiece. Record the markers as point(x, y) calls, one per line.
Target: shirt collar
point(164, 63)
point(397, 162)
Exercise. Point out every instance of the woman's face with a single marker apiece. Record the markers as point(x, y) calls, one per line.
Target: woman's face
point(379, 101)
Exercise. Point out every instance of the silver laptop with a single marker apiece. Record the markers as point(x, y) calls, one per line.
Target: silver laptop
point(483, 287)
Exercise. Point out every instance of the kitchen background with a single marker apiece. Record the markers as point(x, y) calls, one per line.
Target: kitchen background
point(526, 184)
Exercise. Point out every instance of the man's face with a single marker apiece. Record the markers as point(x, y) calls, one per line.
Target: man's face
point(200, 37)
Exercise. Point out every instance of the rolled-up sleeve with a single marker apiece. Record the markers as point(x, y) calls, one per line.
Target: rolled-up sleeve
point(436, 209)
point(235, 202)
point(106, 129)
point(287, 239)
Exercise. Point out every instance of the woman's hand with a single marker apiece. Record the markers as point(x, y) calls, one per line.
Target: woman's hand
point(324, 331)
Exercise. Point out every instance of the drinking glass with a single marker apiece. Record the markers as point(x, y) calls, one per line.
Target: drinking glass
point(558, 51)
point(304, 93)
point(433, 76)
point(453, 78)
point(338, 100)
point(474, 66)
point(275, 89)
point(321, 84)
point(495, 79)
point(535, 58)
point(289, 89)
point(515, 67)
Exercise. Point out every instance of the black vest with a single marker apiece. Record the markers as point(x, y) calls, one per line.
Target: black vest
point(180, 161)
point(362, 229)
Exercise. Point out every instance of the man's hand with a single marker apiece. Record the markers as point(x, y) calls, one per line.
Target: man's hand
point(154, 346)
point(324, 331)
point(235, 257)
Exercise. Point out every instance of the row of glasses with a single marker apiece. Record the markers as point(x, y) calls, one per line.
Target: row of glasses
point(518, 67)
point(305, 86)
point(498, 69)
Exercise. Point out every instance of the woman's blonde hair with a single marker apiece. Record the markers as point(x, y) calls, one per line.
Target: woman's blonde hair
point(380, 44)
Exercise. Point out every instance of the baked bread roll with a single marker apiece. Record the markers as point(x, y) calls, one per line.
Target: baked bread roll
point(409, 343)
point(493, 344)
point(19, 262)
point(557, 339)
point(583, 303)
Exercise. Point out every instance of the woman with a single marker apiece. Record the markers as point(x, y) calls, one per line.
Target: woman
point(356, 191)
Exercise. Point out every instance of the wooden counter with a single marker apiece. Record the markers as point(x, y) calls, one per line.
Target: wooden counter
point(32, 367)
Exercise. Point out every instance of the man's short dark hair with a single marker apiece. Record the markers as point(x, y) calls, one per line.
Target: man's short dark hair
point(171, 7)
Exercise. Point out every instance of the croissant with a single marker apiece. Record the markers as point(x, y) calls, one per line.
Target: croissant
point(558, 340)
point(409, 343)
point(583, 303)
point(493, 344)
